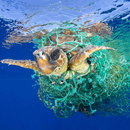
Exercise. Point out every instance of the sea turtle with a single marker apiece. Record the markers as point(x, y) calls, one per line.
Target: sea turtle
point(53, 60)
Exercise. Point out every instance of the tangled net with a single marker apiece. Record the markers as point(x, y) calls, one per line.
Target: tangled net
point(105, 91)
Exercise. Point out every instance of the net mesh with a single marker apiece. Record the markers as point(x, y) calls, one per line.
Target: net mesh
point(104, 91)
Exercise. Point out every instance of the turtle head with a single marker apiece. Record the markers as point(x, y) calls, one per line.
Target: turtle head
point(51, 60)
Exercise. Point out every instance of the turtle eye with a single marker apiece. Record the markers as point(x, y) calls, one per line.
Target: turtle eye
point(43, 53)
point(55, 54)
point(38, 54)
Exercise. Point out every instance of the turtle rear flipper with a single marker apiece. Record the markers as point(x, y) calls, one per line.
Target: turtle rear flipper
point(23, 63)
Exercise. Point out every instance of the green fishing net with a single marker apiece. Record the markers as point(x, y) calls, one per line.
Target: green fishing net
point(104, 91)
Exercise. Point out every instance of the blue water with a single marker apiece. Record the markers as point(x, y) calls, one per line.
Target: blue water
point(20, 107)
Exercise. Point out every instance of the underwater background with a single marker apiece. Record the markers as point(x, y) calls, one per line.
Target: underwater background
point(20, 107)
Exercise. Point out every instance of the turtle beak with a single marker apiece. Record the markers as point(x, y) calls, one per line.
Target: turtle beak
point(42, 62)
point(41, 59)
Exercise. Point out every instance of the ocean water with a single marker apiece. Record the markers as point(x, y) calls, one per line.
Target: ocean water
point(23, 21)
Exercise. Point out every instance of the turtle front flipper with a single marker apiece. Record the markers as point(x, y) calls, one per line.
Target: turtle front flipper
point(23, 63)
point(79, 63)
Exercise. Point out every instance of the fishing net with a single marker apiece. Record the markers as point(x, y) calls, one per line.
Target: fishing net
point(104, 91)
